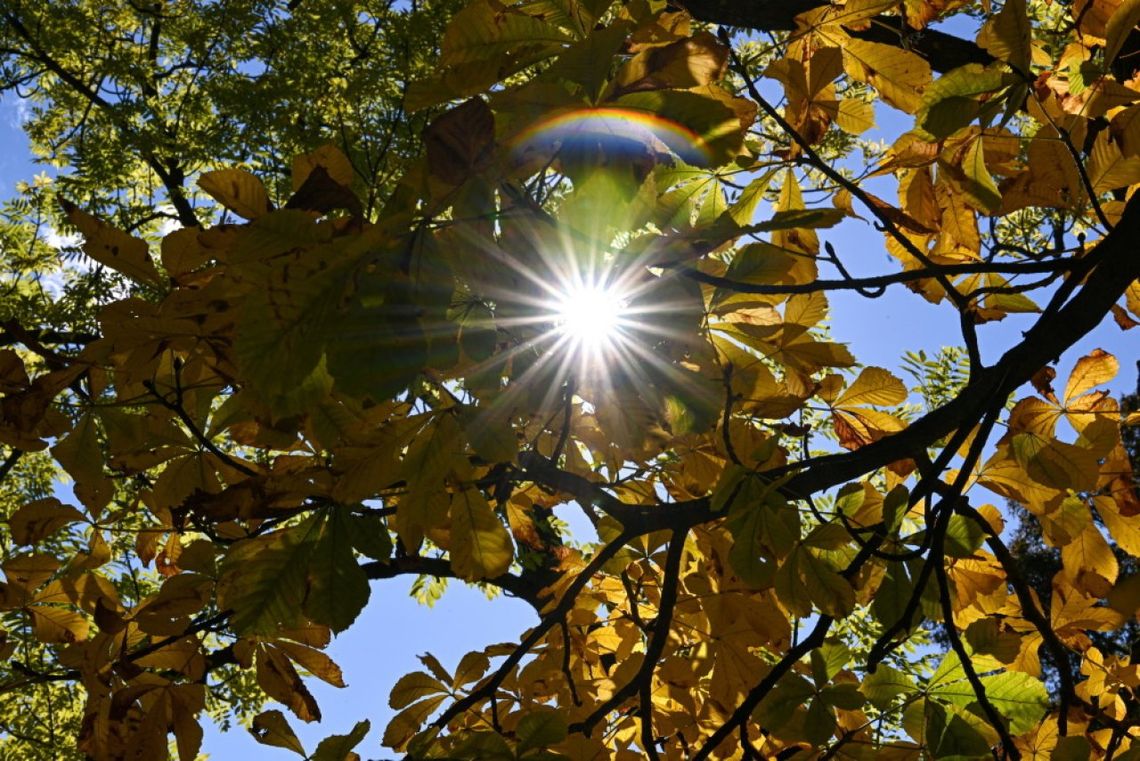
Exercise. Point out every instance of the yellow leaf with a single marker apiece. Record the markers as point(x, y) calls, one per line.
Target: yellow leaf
point(407, 722)
point(980, 188)
point(873, 386)
point(276, 675)
point(899, 75)
point(1066, 522)
point(330, 157)
point(1120, 24)
point(237, 190)
point(855, 116)
point(1108, 168)
point(480, 545)
point(183, 655)
point(1124, 530)
point(183, 252)
point(1008, 36)
point(314, 661)
point(1089, 562)
point(485, 29)
point(38, 520)
point(1126, 128)
point(272, 728)
point(806, 309)
point(53, 624)
point(411, 687)
point(1054, 463)
point(113, 248)
point(1093, 369)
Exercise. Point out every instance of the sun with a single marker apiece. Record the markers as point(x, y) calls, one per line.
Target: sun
point(591, 317)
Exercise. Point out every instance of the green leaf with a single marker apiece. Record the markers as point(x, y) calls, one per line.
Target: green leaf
point(790, 219)
point(541, 728)
point(777, 708)
point(884, 684)
point(829, 660)
point(804, 580)
point(337, 747)
point(484, 30)
point(480, 545)
point(287, 315)
point(963, 537)
point(893, 594)
point(272, 728)
point(1017, 696)
point(338, 586)
point(950, 102)
point(707, 133)
point(411, 687)
point(370, 536)
point(264, 580)
point(953, 733)
point(981, 190)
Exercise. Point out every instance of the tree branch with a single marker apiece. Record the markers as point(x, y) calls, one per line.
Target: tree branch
point(941, 50)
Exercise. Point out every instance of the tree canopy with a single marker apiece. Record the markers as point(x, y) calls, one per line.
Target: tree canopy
point(346, 292)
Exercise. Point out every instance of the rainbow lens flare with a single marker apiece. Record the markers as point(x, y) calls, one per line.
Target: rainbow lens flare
point(614, 128)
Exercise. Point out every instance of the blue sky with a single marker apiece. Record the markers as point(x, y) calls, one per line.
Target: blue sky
point(394, 629)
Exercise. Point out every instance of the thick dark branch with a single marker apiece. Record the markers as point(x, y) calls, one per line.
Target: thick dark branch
point(942, 51)
point(938, 559)
point(1030, 612)
point(490, 684)
point(46, 336)
point(641, 519)
point(170, 176)
point(670, 578)
point(527, 587)
point(969, 334)
point(815, 639)
point(875, 281)
point(1114, 266)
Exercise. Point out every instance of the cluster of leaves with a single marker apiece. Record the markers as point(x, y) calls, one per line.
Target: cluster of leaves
point(363, 378)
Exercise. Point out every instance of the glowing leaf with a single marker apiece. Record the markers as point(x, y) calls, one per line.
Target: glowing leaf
point(113, 248)
point(480, 545)
point(873, 386)
point(237, 190)
point(1091, 370)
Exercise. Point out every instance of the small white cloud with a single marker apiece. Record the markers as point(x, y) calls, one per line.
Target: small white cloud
point(17, 111)
point(57, 240)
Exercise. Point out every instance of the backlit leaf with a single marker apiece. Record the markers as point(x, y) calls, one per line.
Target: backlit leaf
point(480, 545)
point(237, 190)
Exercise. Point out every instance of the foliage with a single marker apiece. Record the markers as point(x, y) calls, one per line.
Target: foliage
point(315, 343)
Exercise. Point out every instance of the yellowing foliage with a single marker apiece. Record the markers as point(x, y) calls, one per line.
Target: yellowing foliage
point(329, 389)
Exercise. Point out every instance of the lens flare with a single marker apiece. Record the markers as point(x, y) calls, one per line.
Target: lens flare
point(617, 125)
point(591, 316)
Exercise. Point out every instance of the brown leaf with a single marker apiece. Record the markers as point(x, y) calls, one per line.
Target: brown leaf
point(276, 675)
point(459, 141)
point(320, 192)
point(38, 520)
point(1042, 381)
point(112, 247)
